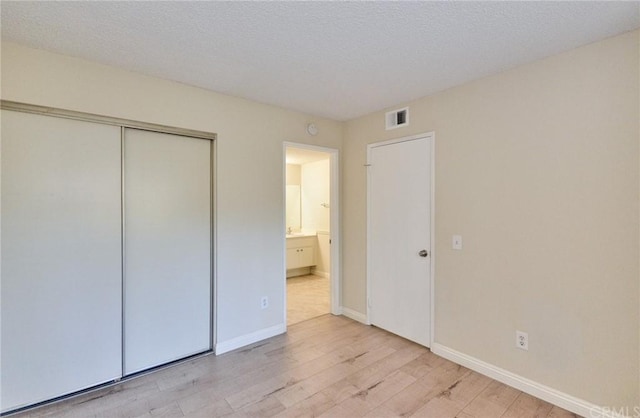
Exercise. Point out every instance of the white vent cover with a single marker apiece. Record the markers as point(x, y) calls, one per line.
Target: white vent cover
point(397, 118)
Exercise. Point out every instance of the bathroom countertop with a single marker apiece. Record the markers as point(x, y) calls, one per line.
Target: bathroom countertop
point(301, 235)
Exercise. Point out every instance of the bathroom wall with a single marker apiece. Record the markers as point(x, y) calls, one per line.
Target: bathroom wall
point(323, 255)
point(315, 179)
point(293, 175)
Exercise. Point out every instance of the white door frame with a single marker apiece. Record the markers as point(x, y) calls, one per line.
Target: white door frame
point(334, 221)
point(431, 136)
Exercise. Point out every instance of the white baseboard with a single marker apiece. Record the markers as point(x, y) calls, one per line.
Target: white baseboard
point(355, 315)
point(553, 396)
point(244, 340)
point(320, 273)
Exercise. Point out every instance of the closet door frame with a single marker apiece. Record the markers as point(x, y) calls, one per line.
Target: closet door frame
point(132, 124)
point(105, 120)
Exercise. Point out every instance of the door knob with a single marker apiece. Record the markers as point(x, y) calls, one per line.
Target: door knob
point(423, 253)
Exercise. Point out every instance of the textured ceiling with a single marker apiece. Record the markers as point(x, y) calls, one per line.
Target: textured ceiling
point(334, 59)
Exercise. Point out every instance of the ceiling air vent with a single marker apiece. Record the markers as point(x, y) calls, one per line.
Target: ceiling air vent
point(397, 118)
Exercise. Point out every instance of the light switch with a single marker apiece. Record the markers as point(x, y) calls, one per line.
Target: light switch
point(457, 242)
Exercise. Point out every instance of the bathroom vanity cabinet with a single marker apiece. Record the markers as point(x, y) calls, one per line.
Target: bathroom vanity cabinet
point(301, 251)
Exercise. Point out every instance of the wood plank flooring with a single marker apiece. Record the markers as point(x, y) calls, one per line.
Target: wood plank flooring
point(307, 297)
point(329, 366)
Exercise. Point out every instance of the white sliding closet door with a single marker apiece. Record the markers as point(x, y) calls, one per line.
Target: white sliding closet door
point(61, 257)
point(167, 292)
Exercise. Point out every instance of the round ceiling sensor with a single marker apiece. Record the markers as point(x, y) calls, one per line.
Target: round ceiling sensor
point(312, 129)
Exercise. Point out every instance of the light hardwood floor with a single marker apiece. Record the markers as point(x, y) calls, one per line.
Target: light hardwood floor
point(307, 297)
point(328, 366)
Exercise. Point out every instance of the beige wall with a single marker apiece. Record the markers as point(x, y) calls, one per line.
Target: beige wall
point(316, 190)
point(249, 167)
point(293, 175)
point(537, 168)
point(316, 179)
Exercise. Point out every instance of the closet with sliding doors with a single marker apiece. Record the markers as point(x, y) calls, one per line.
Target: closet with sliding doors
point(105, 250)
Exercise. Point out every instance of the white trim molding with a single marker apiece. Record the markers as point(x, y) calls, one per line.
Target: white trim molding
point(319, 273)
point(254, 337)
point(334, 221)
point(355, 315)
point(563, 400)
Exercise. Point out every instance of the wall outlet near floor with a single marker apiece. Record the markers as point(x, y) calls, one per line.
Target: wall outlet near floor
point(522, 340)
point(264, 302)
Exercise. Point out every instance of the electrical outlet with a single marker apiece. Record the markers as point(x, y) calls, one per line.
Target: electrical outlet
point(522, 340)
point(264, 302)
point(456, 243)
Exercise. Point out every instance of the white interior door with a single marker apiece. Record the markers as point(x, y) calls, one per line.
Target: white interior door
point(167, 274)
point(399, 229)
point(61, 257)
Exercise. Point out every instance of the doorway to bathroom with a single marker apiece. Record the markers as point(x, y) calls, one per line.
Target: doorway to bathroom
point(311, 226)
